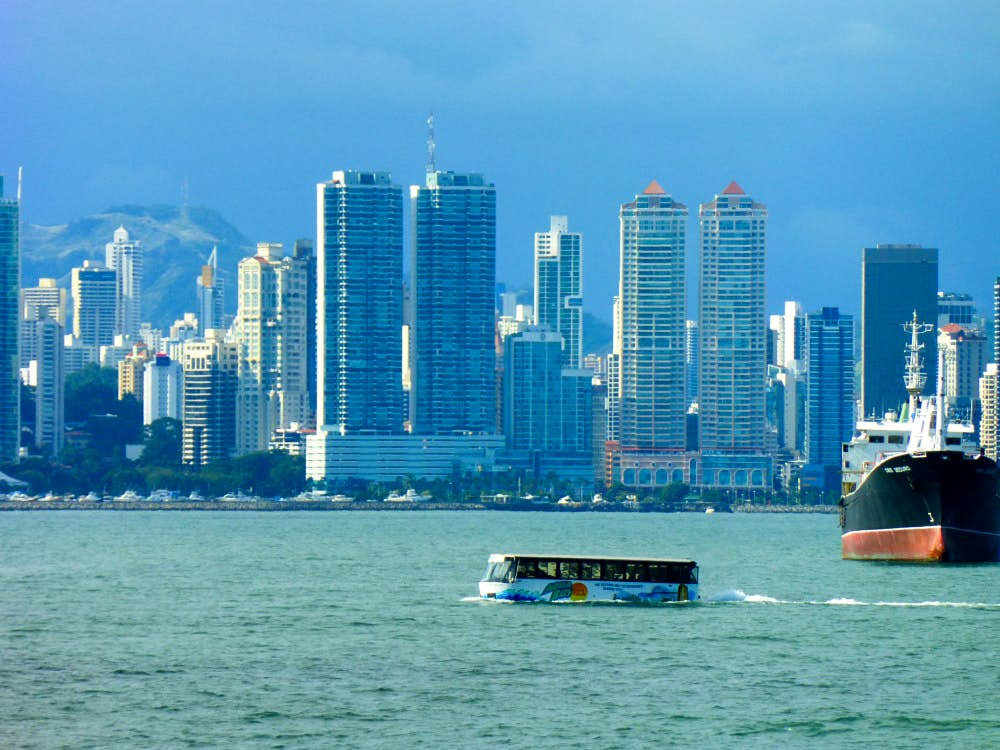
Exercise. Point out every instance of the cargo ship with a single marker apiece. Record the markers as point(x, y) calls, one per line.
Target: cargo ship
point(916, 488)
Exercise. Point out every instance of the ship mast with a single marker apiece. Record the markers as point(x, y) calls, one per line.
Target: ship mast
point(915, 377)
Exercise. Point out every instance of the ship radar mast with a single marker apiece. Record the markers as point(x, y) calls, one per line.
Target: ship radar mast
point(915, 377)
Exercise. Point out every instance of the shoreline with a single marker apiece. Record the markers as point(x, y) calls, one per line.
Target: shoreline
point(328, 506)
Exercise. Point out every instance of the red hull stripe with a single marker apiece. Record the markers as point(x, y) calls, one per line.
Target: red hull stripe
point(920, 543)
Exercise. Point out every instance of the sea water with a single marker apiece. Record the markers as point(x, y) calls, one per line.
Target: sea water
point(364, 630)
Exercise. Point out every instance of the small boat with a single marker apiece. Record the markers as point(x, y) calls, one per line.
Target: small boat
point(709, 511)
point(564, 578)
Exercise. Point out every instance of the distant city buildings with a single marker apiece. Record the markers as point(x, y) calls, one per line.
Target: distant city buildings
point(95, 304)
point(964, 356)
point(211, 299)
point(162, 390)
point(558, 303)
point(124, 257)
point(896, 280)
point(10, 283)
point(209, 416)
point(989, 427)
point(454, 274)
point(359, 249)
point(50, 383)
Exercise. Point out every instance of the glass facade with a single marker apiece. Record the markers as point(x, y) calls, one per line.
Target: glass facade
point(10, 283)
point(559, 286)
point(454, 276)
point(359, 255)
point(733, 329)
point(652, 300)
point(895, 281)
point(829, 385)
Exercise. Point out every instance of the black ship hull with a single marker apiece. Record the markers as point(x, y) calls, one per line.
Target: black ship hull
point(934, 506)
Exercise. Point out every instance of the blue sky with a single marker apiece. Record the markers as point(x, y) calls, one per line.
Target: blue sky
point(854, 122)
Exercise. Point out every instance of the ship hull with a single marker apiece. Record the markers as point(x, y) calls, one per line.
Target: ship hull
point(938, 506)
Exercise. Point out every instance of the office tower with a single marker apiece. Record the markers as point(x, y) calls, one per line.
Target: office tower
point(10, 284)
point(559, 286)
point(652, 299)
point(547, 408)
point(896, 280)
point(829, 358)
point(162, 389)
point(210, 368)
point(989, 427)
point(270, 329)
point(996, 320)
point(124, 257)
point(613, 404)
point(50, 383)
point(690, 361)
point(130, 372)
point(210, 295)
point(732, 374)
point(964, 354)
point(790, 356)
point(95, 294)
point(359, 260)
point(304, 253)
point(957, 308)
point(454, 272)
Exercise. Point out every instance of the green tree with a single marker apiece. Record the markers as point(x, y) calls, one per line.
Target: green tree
point(162, 443)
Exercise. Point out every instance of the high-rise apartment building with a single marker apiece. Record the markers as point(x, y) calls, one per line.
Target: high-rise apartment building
point(95, 304)
point(162, 389)
point(559, 286)
point(303, 252)
point(989, 426)
point(210, 368)
point(790, 356)
point(829, 368)
point(45, 300)
point(50, 383)
point(359, 261)
point(690, 362)
point(652, 298)
point(896, 280)
point(270, 329)
point(10, 284)
point(732, 375)
point(996, 320)
point(130, 372)
point(211, 297)
point(964, 354)
point(124, 257)
point(454, 276)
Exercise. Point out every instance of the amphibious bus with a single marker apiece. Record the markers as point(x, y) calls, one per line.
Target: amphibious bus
point(563, 578)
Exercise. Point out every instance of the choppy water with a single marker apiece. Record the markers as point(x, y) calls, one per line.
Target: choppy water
point(317, 630)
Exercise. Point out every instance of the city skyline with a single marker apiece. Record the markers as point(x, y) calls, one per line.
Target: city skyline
point(827, 101)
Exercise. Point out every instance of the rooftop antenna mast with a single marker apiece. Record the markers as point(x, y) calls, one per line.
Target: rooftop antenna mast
point(431, 145)
point(20, 174)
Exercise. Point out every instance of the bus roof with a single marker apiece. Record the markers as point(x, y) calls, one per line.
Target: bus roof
point(497, 557)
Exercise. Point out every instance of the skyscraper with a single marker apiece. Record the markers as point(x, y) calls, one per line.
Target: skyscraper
point(162, 389)
point(895, 281)
point(270, 329)
point(303, 252)
point(989, 427)
point(95, 304)
point(45, 300)
point(454, 276)
point(559, 286)
point(996, 320)
point(732, 375)
point(10, 284)
point(829, 358)
point(210, 368)
point(50, 384)
point(964, 354)
point(210, 295)
point(359, 254)
point(124, 257)
point(652, 298)
point(690, 361)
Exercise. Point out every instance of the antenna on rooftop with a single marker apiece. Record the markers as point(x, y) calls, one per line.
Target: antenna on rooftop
point(20, 174)
point(431, 145)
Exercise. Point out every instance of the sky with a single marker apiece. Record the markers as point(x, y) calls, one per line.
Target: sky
point(854, 122)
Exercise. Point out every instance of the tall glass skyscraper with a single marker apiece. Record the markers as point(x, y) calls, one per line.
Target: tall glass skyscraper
point(10, 285)
point(733, 326)
point(124, 257)
point(95, 303)
point(454, 277)
point(559, 286)
point(652, 299)
point(895, 281)
point(210, 295)
point(359, 262)
point(829, 387)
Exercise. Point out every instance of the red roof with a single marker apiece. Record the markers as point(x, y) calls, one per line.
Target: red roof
point(733, 189)
point(654, 188)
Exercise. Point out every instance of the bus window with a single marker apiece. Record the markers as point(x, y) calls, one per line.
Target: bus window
point(527, 568)
point(501, 571)
point(548, 569)
point(693, 575)
point(635, 571)
point(590, 570)
point(614, 571)
point(658, 573)
point(569, 569)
